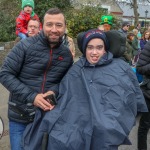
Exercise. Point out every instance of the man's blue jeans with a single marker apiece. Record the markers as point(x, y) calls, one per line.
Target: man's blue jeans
point(16, 130)
point(22, 35)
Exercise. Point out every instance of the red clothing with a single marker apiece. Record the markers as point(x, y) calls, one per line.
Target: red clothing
point(22, 22)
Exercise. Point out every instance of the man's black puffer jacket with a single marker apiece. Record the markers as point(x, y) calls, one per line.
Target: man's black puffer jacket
point(32, 67)
point(143, 67)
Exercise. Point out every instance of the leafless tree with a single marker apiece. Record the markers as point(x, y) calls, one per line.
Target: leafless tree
point(134, 5)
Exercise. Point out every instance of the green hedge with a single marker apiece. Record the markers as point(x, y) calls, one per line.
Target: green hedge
point(84, 19)
point(78, 20)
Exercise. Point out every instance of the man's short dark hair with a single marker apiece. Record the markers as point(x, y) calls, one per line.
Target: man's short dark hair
point(125, 23)
point(33, 19)
point(55, 11)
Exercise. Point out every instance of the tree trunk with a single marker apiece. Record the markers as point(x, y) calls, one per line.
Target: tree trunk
point(136, 14)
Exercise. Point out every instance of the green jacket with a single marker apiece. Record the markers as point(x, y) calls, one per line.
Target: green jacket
point(135, 46)
point(128, 55)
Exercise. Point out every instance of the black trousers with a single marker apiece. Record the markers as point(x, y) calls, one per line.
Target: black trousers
point(143, 129)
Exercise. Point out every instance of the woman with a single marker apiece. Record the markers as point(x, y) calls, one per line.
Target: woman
point(97, 104)
point(136, 46)
point(145, 39)
point(130, 49)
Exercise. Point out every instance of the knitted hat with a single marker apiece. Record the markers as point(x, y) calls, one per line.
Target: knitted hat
point(106, 20)
point(117, 42)
point(84, 38)
point(27, 3)
point(125, 23)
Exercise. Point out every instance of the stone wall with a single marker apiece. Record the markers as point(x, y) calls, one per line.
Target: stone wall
point(5, 48)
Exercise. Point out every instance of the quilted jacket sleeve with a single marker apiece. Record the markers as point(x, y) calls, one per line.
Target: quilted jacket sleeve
point(143, 65)
point(141, 105)
point(9, 73)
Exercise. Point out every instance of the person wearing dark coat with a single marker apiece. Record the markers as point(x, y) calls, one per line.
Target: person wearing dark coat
point(124, 29)
point(32, 70)
point(145, 38)
point(129, 53)
point(97, 103)
point(143, 67)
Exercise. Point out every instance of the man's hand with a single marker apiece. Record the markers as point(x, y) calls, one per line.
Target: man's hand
point(40, 102)
point(30, 33)
point(48, 93)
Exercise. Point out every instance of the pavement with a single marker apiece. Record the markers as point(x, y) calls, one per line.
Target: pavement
point(4, 141)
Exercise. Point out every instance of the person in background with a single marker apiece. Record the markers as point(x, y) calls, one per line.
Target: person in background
point(97, 104)
point(143, 67)
point(71, 46)
point(33, 28)
point(68, 41)
point(145, 38)
point(128, 55)
point(136, 52)
point(135, 45)
point(124, 32)
point(139, 35)
point(125, 28)
point(106, 21)
point(148, 28)
point(33, 70)
point(25, 15)
point(101, 27)
point(138, 27)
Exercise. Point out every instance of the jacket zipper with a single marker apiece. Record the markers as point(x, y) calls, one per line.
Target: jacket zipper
point(45, 73)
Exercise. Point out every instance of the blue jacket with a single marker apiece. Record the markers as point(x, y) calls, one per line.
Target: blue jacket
point(32, 67)
point(142, 43)
point(97, 107)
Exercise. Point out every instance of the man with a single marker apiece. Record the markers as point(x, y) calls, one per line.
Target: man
point(98, 102)
point(106, 21)
point(33, 27)
point(32, 70)
point(125, 28)
point(124, 31)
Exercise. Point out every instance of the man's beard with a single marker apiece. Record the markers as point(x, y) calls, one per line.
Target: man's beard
point(54, 42)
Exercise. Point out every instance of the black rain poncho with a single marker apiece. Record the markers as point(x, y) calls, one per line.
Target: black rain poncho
point(97, 107)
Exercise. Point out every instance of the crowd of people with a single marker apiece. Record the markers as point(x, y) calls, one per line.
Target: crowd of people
point(138, 56)
point(56, 103)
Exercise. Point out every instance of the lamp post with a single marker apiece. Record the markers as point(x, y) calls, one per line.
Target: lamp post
point(146, 12)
